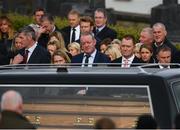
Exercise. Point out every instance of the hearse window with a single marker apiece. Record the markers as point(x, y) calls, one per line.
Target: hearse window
point(176, 93)
point(79, 106)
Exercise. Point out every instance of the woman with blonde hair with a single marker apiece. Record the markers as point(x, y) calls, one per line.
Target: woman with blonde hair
point(116, 43)
point(57, 36)
point(137, 49)
point(74, 48)
point(112, 52)
point(60, 57)
point(52, 46)
point(16, 46)
point(6, 34)
point(6, 31)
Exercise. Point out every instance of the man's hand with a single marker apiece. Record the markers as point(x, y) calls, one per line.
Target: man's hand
point(17, 59)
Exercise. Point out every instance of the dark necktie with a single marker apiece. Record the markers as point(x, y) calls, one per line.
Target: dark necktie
point(25, 56)
point(73, 35)
point(97, 31)
point(87, 60)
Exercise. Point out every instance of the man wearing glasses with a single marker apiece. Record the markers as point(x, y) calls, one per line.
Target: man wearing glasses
point(101, 30)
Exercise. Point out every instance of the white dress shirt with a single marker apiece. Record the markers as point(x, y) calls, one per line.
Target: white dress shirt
point(100, 28)
point(91, 59)
point(162, 67)
point(126, 63)
point(31, 49)
point(77, 33)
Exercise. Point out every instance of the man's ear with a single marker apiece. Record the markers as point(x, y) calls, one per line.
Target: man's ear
point(20, 108)
point(165, 33)
point(92, 28)
point(94, 41)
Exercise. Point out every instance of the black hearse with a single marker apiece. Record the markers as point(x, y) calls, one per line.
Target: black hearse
point(75, 97)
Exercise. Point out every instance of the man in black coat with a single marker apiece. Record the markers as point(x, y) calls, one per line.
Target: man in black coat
point(46, 28)
point(101, 30)
point(90, 55)
point(164, 57)
point(71, 33)
point(11, 115)
point(160, 33)
point(32, 53)
point(128, 59)
point(4, 59)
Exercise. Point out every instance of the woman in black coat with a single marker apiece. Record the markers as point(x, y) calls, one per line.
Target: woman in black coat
point(146, 53)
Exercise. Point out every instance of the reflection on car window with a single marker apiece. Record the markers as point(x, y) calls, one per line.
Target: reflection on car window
point(79, 106)
point(176, 92)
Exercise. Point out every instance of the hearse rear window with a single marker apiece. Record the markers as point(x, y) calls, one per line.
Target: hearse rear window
point(176, 93)
point(79, 106)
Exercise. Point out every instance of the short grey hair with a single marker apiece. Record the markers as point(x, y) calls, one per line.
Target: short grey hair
point(159, 25)
point(87, 34)
point(10, 100)
point(148, 30)
point(28, 31)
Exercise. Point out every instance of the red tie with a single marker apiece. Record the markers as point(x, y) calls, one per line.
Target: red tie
point(25, 57)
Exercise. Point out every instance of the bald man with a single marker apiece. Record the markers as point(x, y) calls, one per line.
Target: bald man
point(11, 115)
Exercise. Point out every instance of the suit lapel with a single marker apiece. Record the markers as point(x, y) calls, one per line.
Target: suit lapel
point(102, 31)
point(96, 57)
point(34, 55)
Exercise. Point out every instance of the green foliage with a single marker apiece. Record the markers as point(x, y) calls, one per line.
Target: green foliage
point(19, 21)
point(124, 28)
point(61, 22)
point(178, 46)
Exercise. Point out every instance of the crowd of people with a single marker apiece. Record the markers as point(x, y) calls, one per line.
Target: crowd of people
point(86, 41)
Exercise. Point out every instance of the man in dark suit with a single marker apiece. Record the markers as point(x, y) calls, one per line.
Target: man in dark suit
point(164, 57)
point(46, 28)
point(71, 33)
point(11, 115)
point(101, 30)
point(128, 58)
point(90, 55)
point(160, 33)
point(32, 53)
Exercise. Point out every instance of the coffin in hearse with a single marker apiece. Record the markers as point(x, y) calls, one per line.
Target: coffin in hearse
point(77, 97)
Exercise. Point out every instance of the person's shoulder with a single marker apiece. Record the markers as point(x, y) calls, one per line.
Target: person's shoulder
point(77, 56)
point(103, 56)
point(41, 49)
point(137, 60)
point(109, 29)
point(118, 60)
point(65, 28)
point(100, 53)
